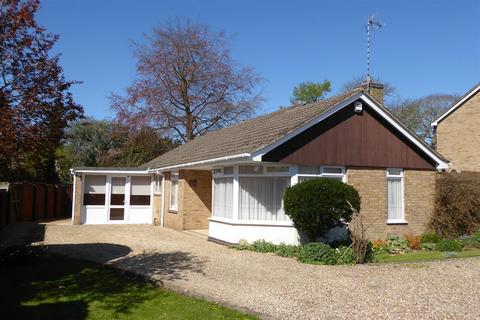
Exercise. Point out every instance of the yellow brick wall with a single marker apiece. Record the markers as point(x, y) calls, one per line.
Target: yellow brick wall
point(458, 137)
point(196, 198)
point(77, 202)
point(419, 196)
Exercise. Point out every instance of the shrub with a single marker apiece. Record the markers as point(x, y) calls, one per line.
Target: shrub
point(263, 246)
point(413, 241)
point(449, 245)
point(396, 244)
point(317, 253)
point(470, 241)
point(477, 235)
point(345, 255)
point(287, 250)
point(379, 246)
point(430, 237)
point(315, 206)
point(457, 205)
point(428, 246)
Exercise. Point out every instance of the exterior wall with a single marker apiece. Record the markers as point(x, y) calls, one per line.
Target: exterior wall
point(194, 200)
point(458, 138)
point(157, 208)
point(233, 233)
point(353, 140)
point(196, 197)
point(173, 219)
point(77, 201)
point(419, 197)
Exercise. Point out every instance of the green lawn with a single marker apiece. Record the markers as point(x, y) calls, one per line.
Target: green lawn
point(424, 255)
point(42, 286)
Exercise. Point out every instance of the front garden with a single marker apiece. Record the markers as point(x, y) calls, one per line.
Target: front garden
point(318, 205)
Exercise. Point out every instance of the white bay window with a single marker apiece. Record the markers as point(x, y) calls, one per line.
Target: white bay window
point(261, 198)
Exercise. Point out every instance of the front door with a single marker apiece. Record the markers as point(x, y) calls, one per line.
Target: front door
point(117, 199)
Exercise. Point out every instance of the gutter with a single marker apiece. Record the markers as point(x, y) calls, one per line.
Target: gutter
point(209, 161)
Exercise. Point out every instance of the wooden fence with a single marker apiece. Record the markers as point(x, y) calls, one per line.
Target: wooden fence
point(34, 201)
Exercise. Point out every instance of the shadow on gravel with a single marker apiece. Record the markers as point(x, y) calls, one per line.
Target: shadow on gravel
point(162, 267)
point(96, 252)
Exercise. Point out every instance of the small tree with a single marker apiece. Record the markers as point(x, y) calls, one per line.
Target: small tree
point(315, 206)
point(309, 92)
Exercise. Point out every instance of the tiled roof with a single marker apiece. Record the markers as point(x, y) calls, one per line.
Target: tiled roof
point(247, 136)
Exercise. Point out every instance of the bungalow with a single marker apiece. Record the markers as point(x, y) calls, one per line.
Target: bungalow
point(231, 181)
point(456, 134)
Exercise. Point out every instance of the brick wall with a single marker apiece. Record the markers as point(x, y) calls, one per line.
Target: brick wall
point(77, 202)
point(419, 194)
point(196, 195)
point(157, 208)
point(194, 200)
point(458, 137)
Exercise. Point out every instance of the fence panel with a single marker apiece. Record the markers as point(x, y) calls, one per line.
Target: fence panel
point(25, 202)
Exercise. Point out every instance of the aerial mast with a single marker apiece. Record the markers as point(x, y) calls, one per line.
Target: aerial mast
point(372, 24)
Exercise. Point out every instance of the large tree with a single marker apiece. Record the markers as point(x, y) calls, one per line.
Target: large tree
point(91, 143)
point(310, 91)
point(35, 101)
point(418, 114)
point(187, 83)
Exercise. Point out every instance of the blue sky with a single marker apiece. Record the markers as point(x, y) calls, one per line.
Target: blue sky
point(426, 46)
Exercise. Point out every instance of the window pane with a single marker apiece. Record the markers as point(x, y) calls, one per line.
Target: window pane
point(117, 197)
point(116, 213)
point(228, 170)
point(223, 197)
point(249, 169)
point(217, 171)
point(140, 191)
point(261, 198)
point(308, 170)
point(278, 169)
point(158, 183)
point(394, 172)
point(395, 199)
point(174, 193)
point(95, 184)
point(333, 170)
point(94, 193)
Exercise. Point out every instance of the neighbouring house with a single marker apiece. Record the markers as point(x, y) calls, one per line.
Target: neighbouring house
point(457, 137)
point(231, 181)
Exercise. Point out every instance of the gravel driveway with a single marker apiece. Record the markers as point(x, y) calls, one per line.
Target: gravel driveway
point(277, 287)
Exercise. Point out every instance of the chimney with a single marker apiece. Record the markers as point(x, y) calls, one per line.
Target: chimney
point(376, 90)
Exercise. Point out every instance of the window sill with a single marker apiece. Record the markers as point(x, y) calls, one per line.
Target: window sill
point(252, 222)
point(175, 211)
point(397, 221)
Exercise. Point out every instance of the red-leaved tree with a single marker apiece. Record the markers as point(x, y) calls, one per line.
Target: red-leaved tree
point(187, 83)
point(35, 102)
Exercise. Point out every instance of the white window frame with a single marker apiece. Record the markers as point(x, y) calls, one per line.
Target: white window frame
point(173, 176)
point(157, 184)
point(323, 174)
point(391, 176)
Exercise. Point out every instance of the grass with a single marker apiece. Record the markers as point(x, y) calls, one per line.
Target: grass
point(424, 255)
point(42, 286)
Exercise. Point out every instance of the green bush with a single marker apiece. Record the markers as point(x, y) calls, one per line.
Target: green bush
point(345, 255)
point(315, 206)
point(396, 244)
point(428, 246)
point(477, 235)
point(263, 246)
point(317, 253)
point(457, 205)
point(470, 241)
point(430, 237)
point(449, 245)
point(285, 250)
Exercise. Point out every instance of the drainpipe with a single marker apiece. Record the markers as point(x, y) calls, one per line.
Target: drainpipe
point(162, 223)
